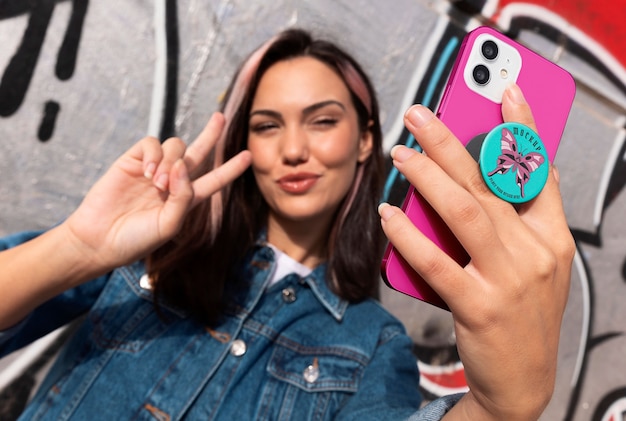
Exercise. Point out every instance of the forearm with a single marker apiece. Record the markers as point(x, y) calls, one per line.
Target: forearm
point(38, 270)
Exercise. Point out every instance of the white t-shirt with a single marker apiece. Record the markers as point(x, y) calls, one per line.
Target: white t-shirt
point(286, 265)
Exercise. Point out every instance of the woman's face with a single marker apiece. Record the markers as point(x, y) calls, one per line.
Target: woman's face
point(305, 141)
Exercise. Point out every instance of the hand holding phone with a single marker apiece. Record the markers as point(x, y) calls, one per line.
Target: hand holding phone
point(470, 107)
point(508, 302)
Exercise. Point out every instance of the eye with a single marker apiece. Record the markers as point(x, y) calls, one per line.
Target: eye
point(263, 127)
point(325, 121)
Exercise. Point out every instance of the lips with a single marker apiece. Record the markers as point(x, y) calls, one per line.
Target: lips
point(298, 183)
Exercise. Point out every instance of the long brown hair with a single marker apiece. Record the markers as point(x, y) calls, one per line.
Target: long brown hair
point(191, 271)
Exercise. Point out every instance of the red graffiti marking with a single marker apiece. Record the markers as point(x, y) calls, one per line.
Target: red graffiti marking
point(601, 20)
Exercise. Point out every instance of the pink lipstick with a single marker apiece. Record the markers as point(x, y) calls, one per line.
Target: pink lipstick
point(298, 183)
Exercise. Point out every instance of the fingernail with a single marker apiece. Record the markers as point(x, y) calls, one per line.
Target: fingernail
point(161, 182)
point(401, 153)
point(418, 115)
point(149, 171)
point(515, 93)
point(181, 169)
point(386, 211)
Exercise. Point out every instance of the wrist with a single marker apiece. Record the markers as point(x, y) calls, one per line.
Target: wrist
point(81, 260)
point(470, 408)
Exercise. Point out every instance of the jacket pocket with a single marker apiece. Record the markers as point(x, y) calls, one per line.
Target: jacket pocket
point(311, 383)
point(318, 369)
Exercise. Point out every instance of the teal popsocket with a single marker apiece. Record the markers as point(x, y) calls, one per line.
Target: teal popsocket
point(514, 163)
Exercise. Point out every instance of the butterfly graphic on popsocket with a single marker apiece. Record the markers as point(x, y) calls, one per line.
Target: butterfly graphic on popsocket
point(513, 162)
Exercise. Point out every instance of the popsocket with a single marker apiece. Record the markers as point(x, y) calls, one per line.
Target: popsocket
point(514, 163)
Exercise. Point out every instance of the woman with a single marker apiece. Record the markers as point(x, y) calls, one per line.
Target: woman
point(245, 292)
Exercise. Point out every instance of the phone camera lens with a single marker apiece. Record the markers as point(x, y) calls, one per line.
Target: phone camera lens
point(481, 74)
point(489, 50)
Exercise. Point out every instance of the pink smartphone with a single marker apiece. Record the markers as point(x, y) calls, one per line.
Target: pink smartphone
point(471, 106)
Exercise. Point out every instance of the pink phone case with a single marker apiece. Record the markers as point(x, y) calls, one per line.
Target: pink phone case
point(549, 90)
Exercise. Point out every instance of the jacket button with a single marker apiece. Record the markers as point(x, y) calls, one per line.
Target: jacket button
point(312, 372)
point(145, 282)
point(238, 348)
point(289, 295)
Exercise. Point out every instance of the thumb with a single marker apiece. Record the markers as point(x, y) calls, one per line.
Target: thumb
point(515, 108)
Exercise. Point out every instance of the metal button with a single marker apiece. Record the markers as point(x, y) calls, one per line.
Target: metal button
point(238, 348)
point(289, 295)
point(145, 282)
point(312, 372)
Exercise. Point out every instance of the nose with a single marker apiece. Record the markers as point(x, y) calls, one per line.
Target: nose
point(295, 146)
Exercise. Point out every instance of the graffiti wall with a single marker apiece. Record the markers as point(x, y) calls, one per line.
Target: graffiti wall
point(82, 80)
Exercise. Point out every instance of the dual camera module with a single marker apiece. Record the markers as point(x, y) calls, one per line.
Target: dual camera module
point(491, 65)
point(481, 74)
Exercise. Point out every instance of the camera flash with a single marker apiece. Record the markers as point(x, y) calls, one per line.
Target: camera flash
point(504, 73)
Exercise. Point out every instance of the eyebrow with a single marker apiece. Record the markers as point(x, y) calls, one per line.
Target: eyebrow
point(305, 111)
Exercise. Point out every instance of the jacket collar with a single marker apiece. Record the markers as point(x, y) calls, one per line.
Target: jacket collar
point(318, 283)
point(316, 280)
point(262, 260)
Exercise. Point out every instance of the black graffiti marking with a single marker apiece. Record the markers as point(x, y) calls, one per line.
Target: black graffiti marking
point(46, 128)
point(469, 7)
point(171, 89)
point(607, 402)
point(18, 75)
point(12, 9)
point(19, 72)
point(66, 60)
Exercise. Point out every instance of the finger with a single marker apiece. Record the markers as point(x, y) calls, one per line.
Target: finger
point(221, 176)
point(515, 108)
point(545, 215)
point(178, 201)
point(173, 149)
point(465, 216)
point(199, 150)
point(446, 150)
point(439, 270)
point(148, 151)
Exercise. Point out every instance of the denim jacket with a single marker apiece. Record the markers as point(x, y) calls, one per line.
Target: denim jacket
point(292, 351)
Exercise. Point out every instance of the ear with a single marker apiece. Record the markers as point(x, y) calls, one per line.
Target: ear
point(366, 143)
